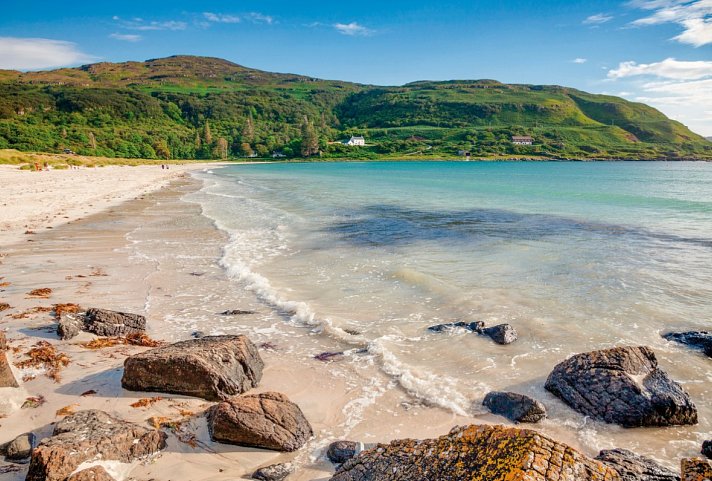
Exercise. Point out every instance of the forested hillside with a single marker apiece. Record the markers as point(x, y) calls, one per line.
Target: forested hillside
point(194, 107)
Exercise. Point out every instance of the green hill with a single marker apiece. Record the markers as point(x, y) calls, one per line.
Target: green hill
point(196, 107)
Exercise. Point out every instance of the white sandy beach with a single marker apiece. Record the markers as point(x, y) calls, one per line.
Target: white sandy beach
point(91, 262)
point(32, 201)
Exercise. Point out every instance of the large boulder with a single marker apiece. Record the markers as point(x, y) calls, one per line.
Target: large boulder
point(622, 385)
point(515, 407)
point(7, 378)
point(212, 368)
point(696, 469)
point(474, 453)
point(634, 467)
point(267, 420)
point(701, 340)
point(87, 436)
point(104, 322)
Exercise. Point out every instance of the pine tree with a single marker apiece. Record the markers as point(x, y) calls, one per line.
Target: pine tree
point(221, 148)
point(248, 132)
point(310, 141)
point(207, 135)
point(198, 142)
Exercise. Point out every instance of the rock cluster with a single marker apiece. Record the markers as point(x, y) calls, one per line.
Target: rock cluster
point(212, 368)
point(90, 435)
point(101, 322)
point(501, 333)
point(622, 385)
point(475, 453)
point(267, 420)
point(515, 407)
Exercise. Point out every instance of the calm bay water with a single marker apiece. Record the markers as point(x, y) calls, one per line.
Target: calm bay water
point(576, 256)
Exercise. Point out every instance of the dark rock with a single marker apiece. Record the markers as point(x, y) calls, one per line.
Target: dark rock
point(267, 420)
point(95, 473)
point(103, 322)
point(622, 385)
point(70, 325)
point(7, 378)
point(696, 469)
point(339, 452)
point(328, 356)
point(89, 435)
point(475, 453)
point(707, 448)
point(212, 368)
point(696, 339)
point(634, 467)
point(198, 334)
point(515, 407)
point(275, 472)
point(21, 447)
point(501, 333)
point(236, 312)
point(476, 326)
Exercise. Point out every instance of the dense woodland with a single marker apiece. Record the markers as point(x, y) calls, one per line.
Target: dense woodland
point(203, 108)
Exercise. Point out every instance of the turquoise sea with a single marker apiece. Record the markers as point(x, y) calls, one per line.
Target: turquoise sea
point(575, 256)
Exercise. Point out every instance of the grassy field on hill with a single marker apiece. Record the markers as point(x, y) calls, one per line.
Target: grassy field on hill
point(205, 108)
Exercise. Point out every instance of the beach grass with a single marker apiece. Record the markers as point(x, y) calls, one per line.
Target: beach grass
point(64, 161)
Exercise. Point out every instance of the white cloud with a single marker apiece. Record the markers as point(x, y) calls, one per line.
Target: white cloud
point(126, 37)
point(682, 89)
point(260, 18)
point(668, 68)
point(39, 53)
point(694, 16)
point(221, 18)
point(580, 60)
point(353, 29)
point(254, 17)
point(142, 25)
point(597, 19)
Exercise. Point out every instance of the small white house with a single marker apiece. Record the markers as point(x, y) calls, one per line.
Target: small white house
point(358, 141)
point(522, 140)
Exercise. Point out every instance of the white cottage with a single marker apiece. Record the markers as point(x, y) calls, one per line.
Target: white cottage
point(359, 141)
point(522, 140)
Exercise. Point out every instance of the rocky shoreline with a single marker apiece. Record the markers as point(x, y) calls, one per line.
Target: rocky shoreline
point(621, 385)
point(207, 397)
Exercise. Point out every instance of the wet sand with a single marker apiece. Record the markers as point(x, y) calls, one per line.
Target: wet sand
point(93, 262)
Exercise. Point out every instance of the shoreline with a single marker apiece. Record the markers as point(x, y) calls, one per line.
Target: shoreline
point(141, 256)
point(93, 262)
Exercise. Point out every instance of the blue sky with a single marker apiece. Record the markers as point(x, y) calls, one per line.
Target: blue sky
point(654, 51)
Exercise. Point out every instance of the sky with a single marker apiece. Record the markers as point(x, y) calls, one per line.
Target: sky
point(654, 51)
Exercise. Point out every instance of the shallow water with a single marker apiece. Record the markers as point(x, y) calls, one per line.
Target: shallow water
point(576, 256)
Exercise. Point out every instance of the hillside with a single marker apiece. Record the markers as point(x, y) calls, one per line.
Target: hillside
point(195, 107)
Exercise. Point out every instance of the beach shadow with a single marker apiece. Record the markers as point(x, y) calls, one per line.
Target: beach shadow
point(42, 332)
